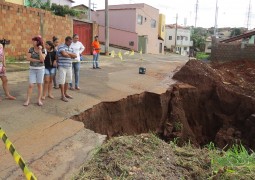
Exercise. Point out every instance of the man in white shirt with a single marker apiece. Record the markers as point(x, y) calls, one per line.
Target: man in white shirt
point(78, 48)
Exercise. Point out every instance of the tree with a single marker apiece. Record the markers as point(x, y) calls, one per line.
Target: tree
point(235, 32)
point(198, 37)
point(54, 8)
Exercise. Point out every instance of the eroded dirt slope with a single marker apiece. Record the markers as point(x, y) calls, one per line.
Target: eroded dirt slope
point(210, 103)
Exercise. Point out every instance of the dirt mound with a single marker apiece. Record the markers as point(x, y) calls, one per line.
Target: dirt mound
point(211, 105)
point(146, 157)
point(216, 110)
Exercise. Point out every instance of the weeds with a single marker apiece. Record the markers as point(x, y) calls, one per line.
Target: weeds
point(178, 126)
point(235, 163)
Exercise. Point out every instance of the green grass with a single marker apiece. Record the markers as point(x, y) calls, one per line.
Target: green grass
point(235, 163)
point(202, 55)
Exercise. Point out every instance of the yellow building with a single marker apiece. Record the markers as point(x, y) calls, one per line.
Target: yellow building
point(20, 2)
point(161, 27)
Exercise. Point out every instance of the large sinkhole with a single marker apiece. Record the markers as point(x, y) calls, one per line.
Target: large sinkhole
point(203, 109)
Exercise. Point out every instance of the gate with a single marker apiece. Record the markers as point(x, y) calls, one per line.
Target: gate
point(84, 30)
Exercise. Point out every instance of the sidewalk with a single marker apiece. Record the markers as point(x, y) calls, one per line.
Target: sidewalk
point(55, 146)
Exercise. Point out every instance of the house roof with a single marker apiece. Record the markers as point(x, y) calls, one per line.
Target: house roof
point(80, 5)
point(72, 1)
point(172, 26)
point(128, 6)
point(235, 38)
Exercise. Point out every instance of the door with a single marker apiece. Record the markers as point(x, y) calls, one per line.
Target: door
point(84, 30)
point(142, 44)
point(160, 48)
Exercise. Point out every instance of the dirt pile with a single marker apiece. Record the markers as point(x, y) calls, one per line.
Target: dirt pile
point(145, 156)
point(213, 103)
point(220, 107)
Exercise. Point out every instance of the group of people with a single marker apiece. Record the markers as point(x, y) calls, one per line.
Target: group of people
point(52, 65)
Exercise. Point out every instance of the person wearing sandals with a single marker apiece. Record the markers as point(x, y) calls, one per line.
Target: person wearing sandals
point(55, 41)
point(96, 51)
point(3, 74)
point(78, 49)
point(36, 56)
point(50, 69)
point(65, 55)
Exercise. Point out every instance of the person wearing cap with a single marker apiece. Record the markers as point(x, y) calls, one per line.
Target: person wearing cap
point(78, 49)
point(65, 55)
point(36, 56)
point(96, 51)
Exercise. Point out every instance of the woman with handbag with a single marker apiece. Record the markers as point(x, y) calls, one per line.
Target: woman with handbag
point(3, 74)
point(50, 69)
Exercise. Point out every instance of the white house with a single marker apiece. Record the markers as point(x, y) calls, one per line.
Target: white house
point(182, 39)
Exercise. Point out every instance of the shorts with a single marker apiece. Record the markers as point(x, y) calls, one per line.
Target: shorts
point(36, 76)
point(64, 75)
point(2, 73)
point(50, 71)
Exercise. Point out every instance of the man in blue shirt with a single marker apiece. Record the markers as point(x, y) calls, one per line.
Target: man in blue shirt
point(65, 56)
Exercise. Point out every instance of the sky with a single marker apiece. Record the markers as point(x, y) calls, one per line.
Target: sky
point(231, 13)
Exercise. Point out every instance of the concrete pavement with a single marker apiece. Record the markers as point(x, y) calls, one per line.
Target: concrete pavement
point(53, 145)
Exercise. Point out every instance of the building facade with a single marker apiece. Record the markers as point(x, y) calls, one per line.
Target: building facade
point(179, 37)
point(134, 26)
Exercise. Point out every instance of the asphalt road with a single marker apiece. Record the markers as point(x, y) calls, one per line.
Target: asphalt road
point(54, 146)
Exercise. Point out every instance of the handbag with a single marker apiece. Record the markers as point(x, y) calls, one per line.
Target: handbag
point(81, 57)
point(94, 52)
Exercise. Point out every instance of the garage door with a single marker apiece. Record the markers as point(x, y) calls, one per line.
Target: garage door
point(84, 30)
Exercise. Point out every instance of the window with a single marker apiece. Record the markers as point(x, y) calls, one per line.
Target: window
point(186, 38)
point(185, 48)
point(163, 28)
point(131, 43)
point(178, 37)
point(153, 23)
point(140, 19)
point(170, 37)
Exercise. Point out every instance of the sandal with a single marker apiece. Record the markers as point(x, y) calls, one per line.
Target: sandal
point(26, 103)
point(68, 96)
point(64, 99)
point(10, 97)
point(40, 103)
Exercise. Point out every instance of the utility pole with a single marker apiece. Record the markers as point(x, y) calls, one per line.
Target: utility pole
point(196, 14)
point(94, 6)
point(106, 28)
point(216, 19)
point(90, 10)
point(249, 15)
point(175, 43)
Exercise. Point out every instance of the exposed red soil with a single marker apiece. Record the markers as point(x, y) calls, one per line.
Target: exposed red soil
point(213, 103)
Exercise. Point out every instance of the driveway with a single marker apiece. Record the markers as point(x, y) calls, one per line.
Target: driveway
point(54, 146)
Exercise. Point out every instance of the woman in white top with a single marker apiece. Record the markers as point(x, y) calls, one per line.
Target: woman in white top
point(78, 49)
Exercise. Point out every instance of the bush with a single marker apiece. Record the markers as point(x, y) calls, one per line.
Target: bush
point(202, 55)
